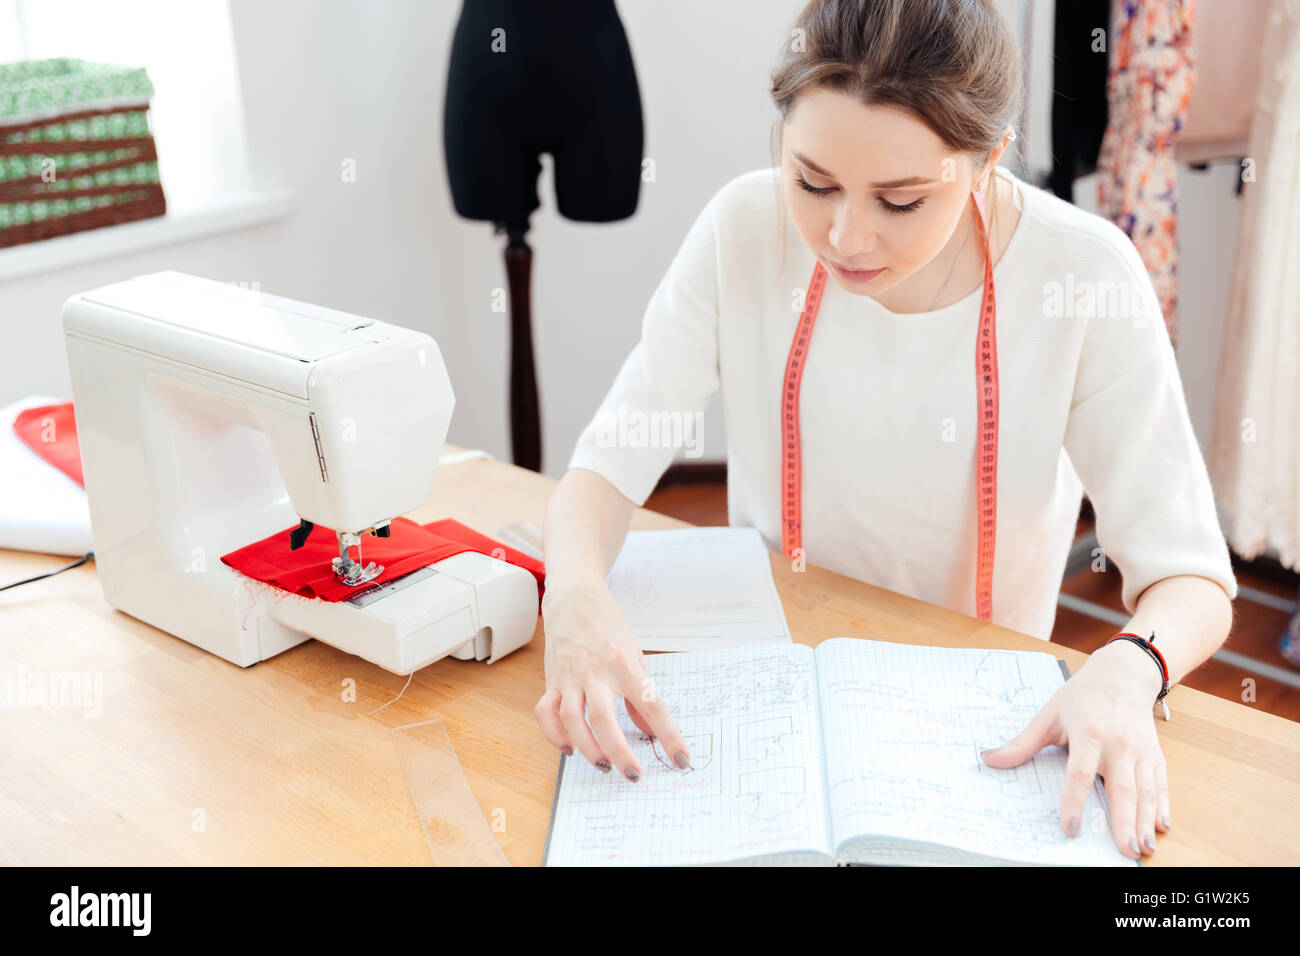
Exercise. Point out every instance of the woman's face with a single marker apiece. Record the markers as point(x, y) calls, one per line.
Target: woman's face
point(871, 189)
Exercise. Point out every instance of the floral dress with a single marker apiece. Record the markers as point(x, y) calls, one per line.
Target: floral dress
point(1152, 70)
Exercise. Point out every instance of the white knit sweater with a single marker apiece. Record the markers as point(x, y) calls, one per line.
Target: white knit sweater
point(1089, 390)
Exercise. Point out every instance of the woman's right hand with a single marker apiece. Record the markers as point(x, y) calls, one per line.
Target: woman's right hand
point(592, 657)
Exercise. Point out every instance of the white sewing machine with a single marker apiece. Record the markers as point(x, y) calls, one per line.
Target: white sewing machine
point(211, 416)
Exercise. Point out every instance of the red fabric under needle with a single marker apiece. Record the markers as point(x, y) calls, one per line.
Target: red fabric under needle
point(308, 571)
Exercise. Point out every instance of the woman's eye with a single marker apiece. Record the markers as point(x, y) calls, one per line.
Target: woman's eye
point(815, 190)
point(890, 207)
point(827, 190)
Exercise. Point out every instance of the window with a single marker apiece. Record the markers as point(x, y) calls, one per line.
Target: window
point(188, 50)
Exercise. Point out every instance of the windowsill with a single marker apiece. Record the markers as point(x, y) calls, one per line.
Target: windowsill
point(226, 215)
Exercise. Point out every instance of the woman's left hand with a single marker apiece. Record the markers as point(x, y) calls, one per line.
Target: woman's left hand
point(1104, 713)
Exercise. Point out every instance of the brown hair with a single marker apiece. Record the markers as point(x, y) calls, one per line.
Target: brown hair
point(954, 64)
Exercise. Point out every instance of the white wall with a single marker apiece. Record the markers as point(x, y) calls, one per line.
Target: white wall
point(325, 81)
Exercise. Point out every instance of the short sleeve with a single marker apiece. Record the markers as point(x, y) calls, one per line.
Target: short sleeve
point(656, 404)
point(1131, 442)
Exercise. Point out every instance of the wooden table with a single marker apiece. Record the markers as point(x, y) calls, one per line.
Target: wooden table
point(197, 761)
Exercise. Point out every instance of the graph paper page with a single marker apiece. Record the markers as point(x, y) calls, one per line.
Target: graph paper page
point(749, 715)
point(903, 728)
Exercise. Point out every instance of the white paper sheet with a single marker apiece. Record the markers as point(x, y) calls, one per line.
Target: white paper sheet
point(695, 588)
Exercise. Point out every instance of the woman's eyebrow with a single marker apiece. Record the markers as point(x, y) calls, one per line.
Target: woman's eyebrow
point(891, 184)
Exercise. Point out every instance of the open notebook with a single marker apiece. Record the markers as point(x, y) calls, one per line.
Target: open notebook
point(858, 752)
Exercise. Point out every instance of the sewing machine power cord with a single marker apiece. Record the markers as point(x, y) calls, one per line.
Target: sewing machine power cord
point(49, 574)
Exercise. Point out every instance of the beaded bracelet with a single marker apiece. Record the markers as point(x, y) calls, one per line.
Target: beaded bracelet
point(1155, 655)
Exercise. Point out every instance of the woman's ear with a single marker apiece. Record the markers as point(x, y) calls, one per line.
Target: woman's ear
point(981, 180)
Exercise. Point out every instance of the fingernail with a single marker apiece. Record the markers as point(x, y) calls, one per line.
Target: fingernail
point(985, 753)
point(567, 750)
point(632, 774)
point(1165, 821)
point(1133, 844)
point(682, 760)
point(1150, 842)
point(1073, 829)
point(602, 765)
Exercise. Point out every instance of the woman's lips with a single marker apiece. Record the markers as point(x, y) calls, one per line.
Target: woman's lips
point(856, 275)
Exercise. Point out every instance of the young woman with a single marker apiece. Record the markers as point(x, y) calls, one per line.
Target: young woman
point(933, 431)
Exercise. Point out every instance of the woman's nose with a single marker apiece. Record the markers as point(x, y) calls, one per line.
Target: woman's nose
point(852, 232)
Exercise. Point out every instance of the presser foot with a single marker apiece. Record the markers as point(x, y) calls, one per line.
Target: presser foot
point(353, 574)
point(350, 572)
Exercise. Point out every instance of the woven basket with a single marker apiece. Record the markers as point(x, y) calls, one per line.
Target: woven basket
point(76, 151)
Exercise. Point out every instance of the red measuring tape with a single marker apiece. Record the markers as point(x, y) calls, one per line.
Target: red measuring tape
point(986, 446)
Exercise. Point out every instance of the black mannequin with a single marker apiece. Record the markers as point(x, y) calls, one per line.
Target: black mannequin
point(526, 78)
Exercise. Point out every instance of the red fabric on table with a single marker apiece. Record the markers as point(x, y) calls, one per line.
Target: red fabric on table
point(453, 529)
point(51, 432)
point(308, 571)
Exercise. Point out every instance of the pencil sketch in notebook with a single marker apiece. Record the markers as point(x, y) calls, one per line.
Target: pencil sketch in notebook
point(695, 588)
point(903, 729)
point(759, 793)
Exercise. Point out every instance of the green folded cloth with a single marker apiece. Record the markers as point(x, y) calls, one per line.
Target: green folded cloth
point(30, 89)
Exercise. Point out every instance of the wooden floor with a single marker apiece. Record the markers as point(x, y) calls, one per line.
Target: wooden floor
point(1255, 632)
